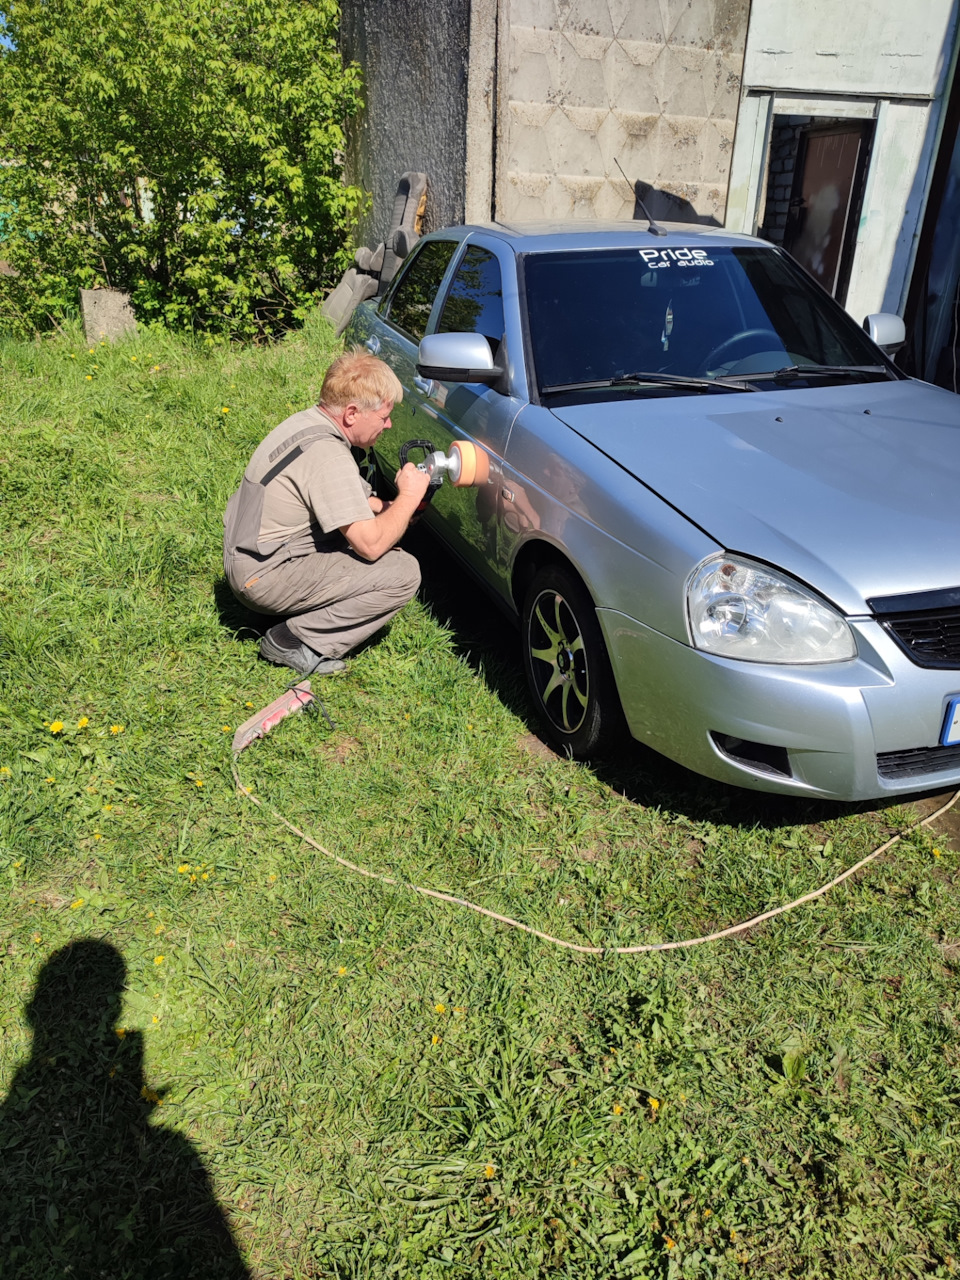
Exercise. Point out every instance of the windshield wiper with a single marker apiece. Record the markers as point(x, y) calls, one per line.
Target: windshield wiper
point(791, 372)
point(653, 379)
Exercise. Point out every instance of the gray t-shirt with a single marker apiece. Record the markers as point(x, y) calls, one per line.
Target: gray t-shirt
point(323, 486)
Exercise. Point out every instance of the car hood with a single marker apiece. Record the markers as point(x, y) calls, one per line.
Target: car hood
point(854, 490)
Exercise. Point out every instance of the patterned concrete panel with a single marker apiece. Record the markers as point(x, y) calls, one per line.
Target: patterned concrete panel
point(651, 83)
point(582, 82)
point(629, 75)
point(613, 201)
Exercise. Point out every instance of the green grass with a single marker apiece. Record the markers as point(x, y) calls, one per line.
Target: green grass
point(376, 1084)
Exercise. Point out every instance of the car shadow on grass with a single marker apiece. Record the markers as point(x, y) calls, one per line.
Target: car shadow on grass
point(88, 1186)
point(486, 640)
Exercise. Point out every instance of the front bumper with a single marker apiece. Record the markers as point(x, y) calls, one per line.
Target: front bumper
point(831, 721)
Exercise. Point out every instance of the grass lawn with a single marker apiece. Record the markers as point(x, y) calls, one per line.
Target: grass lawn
point(366, 1083)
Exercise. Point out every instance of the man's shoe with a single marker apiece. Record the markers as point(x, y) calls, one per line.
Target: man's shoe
point(304, 660)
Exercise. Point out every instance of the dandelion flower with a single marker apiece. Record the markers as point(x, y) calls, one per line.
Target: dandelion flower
point(435, 1039)
point(56, 726)
point(225, 728)
point(37, 937)
point(183, 869)
point(617, 1109)
point(708, 1213)
point(225, 409)
point(440, 1008)
point(83, 722)
point(5, 770)
point(91, 351)
point(74, 906)
point(198, 782)
point(18, 863)
point(155, 1018)
point(89, 377)
point(671, 1244)
point(159, 929)
point(116, 729)
point(133, 359)
point(936, 853)
point(49, 779)
point(205, 876)
point(248, 704)
point(97, 835)
point(158, 959)
point(490, 1171)
point(342, 970)
point(654, 1105)
point(121, 1032)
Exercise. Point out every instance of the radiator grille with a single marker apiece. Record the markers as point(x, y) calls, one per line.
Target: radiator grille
point(925, 624)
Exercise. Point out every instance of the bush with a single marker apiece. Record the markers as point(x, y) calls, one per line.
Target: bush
point(186, 151)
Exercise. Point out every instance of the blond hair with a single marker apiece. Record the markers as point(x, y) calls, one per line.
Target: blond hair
point(359, 378)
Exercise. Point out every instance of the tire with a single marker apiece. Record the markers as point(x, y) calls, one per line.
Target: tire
point(567, 667)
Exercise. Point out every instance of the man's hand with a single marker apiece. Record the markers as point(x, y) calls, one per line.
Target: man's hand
point(371, 538)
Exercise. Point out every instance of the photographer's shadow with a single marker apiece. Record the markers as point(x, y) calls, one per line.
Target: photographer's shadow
point(88, 1186)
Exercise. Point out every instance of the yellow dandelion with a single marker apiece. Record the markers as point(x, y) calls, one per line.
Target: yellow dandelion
point(434, 1039)
point(671, 1244)
point(459, 1009)
point(89, 377)
point(133, 359)
point(156, 368)
point(116, 729)
point(936, 853)
point(205, 876)
point(342, 970)
point(73, 355)
point(193, 879)
point(271, 877)
point(708, 1213)
point(108, 808)
point(151, 914)
point(121, 1032)
point(56, 726)
point(225, 728)
point(18, 863)
point(91, 351)
point(155, 1018)
point(182, 869)
point(198, 782)
point(158, 930)
point(733, 1235)
point(225, 409)
point(654, 1105)
point(490, 1171)
point(74, 906)
point(617, 1109)
point(440, 1008)
point(5, 770)
point(38, 937)
point(49, 779)
point(97, 835)
point(83, 722)
point(158, 959)
point(248, 704)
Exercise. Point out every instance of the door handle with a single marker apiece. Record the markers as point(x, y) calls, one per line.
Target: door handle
point(373, 344)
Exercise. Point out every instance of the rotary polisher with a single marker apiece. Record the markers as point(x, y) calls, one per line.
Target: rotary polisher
point(465, 464)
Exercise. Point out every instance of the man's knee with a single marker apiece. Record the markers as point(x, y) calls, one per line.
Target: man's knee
point(404, 572)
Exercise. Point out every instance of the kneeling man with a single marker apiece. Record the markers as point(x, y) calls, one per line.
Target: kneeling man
point(305, 539)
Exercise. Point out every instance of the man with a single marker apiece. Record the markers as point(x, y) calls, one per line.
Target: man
point(305, 539)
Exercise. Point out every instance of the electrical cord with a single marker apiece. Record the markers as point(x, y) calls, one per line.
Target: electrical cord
point(576, 946)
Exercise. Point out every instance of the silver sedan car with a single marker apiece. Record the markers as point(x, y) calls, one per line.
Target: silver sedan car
point(725, 522)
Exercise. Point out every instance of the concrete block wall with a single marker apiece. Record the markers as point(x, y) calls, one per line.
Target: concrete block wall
point(585, 83)
point(784, 142)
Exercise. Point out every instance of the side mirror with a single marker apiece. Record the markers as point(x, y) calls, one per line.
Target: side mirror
point(887, 331)
point(457, 357)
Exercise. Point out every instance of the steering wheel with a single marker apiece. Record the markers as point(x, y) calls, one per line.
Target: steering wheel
point(712, 357)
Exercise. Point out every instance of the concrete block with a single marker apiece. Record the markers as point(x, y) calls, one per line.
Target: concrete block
point(536, 13)
point(534, 65)
point(107, 313)
point(530, 135)
point(680, 149)
point(614, 200)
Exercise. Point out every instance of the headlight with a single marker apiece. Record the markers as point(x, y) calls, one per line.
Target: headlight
point(740, 609)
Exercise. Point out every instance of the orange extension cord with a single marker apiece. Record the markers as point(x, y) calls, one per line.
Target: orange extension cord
point(576, 946)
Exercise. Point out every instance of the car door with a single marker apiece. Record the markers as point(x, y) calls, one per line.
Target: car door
point(405, 315)
point(473, 302)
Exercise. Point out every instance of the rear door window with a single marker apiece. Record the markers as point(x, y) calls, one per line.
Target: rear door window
point(412, 301)
point(475, 301)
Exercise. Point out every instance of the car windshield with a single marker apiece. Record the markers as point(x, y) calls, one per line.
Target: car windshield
point(606, 319)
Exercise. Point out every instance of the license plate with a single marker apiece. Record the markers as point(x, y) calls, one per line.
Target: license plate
point(951, 724)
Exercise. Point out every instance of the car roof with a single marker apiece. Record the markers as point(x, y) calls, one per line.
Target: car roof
point(534, 237)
